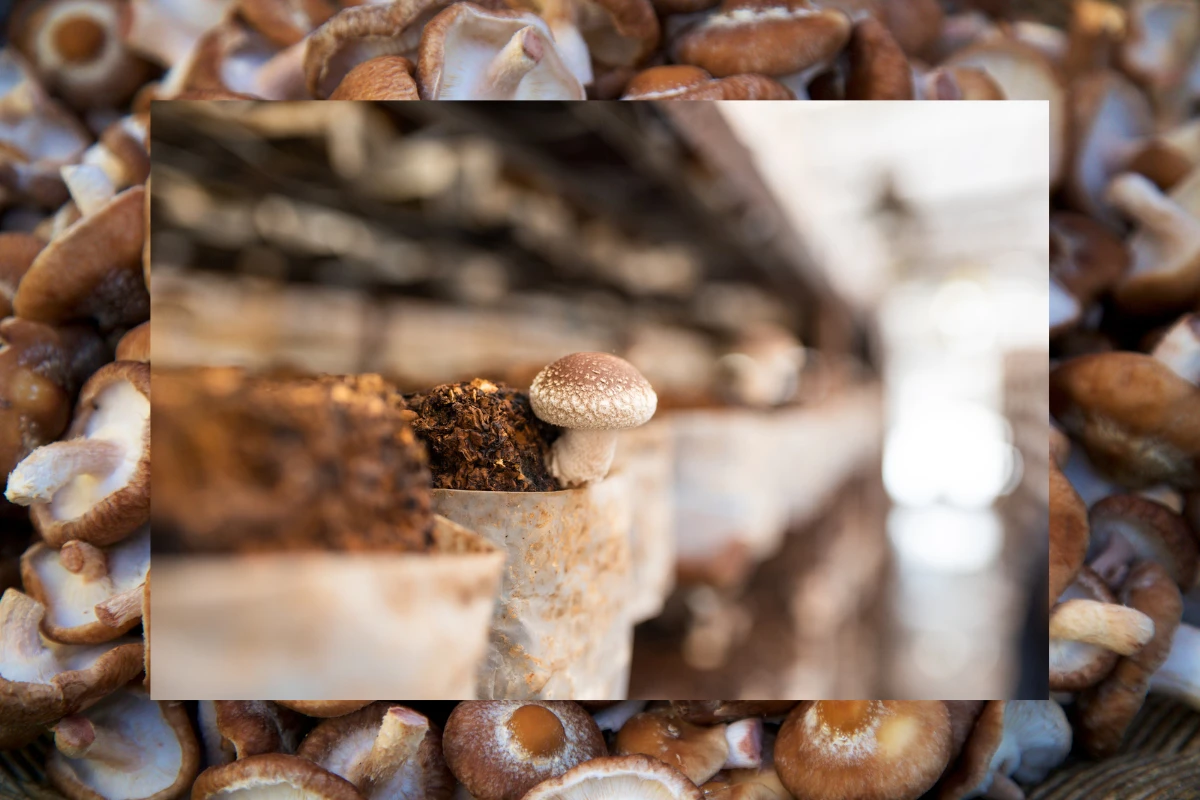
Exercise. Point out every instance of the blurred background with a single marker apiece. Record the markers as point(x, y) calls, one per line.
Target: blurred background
point(842, 308)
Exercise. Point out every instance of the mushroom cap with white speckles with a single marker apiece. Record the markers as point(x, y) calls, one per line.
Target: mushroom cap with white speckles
point(592, 390)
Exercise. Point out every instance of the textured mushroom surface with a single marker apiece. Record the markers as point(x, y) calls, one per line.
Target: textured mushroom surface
point(618, 778)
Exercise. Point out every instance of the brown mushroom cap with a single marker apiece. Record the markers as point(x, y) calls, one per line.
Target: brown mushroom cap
point(614, 33)
point(1085, 257)
point(93, 270)
point(382, 78)
point(1076, 665)
point(696, 751)
point(878, 67)
point(1128, 528)
point(95, 484)
point(683, 82)
point(285, 22)
point(866, 749)
point(500, 749)
point(324, 708)
point(233, 729)
point(707, 712)
point(271, 773)
point(385, 750)
point(618, 778)
point(125, 746)
point(775, 38)
point(17, 252)
point(42, 681)
point(35, 390)
point(135, 345)
point(1068, 533)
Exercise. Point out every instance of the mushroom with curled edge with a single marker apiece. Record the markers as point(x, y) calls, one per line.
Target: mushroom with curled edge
point(592, 396)
point(324, 708)
point(93, 485)
point(1013, 740)
point(683, 82)
point(126, 747)
point(470, 53)
point(866, 749)
point(91, 594)
point(699, 752)
point(382, 78)
point(618, 778)
point(272, 775)
point(233, 729)
point(385, 750)
point(135, 344)
point(1076, 665)
point(1127, 529)
point(500, 749)
point(1165, 245)
point(42, 681)
point(788, 40)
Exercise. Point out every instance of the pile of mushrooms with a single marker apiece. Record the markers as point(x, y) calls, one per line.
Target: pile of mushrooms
point(538, 750)
point(99, 52)
point(1125, 367)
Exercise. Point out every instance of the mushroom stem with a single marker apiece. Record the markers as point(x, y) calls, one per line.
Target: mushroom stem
point(78, 737)
point(89, 185)
point(85, 560)
point(1179, 676)
point(1180, 348)
point(1119, 628)
point(20, 620)
point(49, 468)
point(1140, 199)
point(744, 738)
point(1003, 788)
point(396, 744)
point(1112, 565)
point(560, 17)
point(582, 455)
point(510, 66)
point(121, 608)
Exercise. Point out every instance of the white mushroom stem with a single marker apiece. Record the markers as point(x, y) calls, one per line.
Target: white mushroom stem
point(744, 738)
point(77, 737)
point(1064, 308)
point(49, 468)
point(1180, 348)
point(560, 17)
point(1119, 628)
point(121, 608)
point(1179, 676)
point(1113, 562)
point(582, 455)
point(83, 559)
point(89, 185)
point(1158, 214)
point(396, 744)
point(509, 67)
point(20, 624)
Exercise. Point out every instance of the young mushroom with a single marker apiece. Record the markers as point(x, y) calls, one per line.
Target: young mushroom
point(500, 749)
point(91, 594)
point(126, 747)
point(698, 752)
point(592, 396)
point(385, 750)
point(869, 749)
point(618, 778)
point(95, 484)
point(233, 729)
point(272, 775)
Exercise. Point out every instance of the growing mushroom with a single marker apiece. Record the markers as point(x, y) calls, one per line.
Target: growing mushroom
point(95, 484)
point(42, 681)
point(883, 750)
point(500, 749)
point(233, 729)
point(696, 751)
point(272, 775)
point(91, 594)
point(126, 746)
point(592, 396)
point(385, 750)
point(618, 778)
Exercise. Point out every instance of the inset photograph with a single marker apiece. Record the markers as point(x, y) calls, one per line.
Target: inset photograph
point(598, 401)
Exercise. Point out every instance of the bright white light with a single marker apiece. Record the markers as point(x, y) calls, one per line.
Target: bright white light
point(965, 316)
point(944, 539)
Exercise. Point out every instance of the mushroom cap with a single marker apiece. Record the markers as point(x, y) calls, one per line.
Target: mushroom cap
point(592, 391)
point(42, 681)
point(35, 389)
point(769, 37)
point(1155, 532)
point(618, 33)
point(324, 708)
point(114, 405)
point(684, 82)
point(273, 773)
point(1075, 666)
point(1106, 709)
point(1068, 533)
point(865, 749)
point(285, 22)
point(1163, 274)
point(500, 749)
point(382, 78)
point(618, 778)
point(879, 69)
point(1085, 256)
point(233, 729)
point(1138, 421)
point(165, 751)
point(698, 752)
point(17, 252)
point(92, 270)
point(82, 608)
point(135, 344)
point(385, 750)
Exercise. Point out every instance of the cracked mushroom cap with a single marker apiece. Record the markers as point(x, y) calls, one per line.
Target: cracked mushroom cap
point(17, 252)
point(471, 53)
point(1127, 529)
point(699, 752)
point(382, 78)
point(272, 775)
point(385, 750)
point(233, 729)
point(94, 485)
point(1021, 739)
point(1106, 709)
point(1138, 421)
point(324, 708)
point(618, 778)
point(91, 594)
point(125, 747)
point(500, 749)
point(683, 82)
point(42, 681)
point(865, 749)
point(92, 270)
point(592, 391)
point(135, 345)
point(1076, 665)
point(776, 38)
